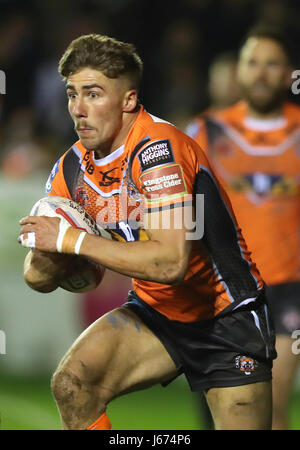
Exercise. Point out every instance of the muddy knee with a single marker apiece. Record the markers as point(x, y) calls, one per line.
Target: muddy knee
point(65, 386)
point(78, 400)
point(72, 388)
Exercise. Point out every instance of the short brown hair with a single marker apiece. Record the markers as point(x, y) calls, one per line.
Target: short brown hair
point(262, 30)
point(111, 57)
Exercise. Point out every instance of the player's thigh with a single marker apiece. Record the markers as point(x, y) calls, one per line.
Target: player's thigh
point(284, 367)
point(119, 354)
point(247, 407)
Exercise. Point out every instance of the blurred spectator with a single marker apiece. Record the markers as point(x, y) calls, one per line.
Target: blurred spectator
point(223, 89)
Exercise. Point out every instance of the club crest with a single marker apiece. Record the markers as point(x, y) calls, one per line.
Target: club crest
point(245, 364)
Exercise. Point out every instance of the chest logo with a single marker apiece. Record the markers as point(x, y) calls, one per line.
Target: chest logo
point(108, 180)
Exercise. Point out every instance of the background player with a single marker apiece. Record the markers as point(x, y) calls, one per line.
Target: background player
point(254, 149)
point(197, 305)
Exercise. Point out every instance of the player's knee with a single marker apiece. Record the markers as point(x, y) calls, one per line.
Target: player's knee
point(68, 387)
point(65, 386)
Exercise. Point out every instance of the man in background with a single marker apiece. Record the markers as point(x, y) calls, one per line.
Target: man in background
point(254, 149)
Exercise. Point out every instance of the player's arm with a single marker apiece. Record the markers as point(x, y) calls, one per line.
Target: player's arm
point(41, 269)
point(163, 258)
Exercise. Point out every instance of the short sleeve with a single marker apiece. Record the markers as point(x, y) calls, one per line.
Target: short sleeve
point(56, 184)
point(164, 170)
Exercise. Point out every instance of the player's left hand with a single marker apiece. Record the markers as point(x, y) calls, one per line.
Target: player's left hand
point(39, 232)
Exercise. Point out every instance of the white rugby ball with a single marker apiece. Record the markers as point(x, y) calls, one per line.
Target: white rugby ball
point(71, 211)
point(85, 277)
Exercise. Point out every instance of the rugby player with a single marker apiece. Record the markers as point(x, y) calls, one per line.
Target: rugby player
point(197, 305)
point(253, 147)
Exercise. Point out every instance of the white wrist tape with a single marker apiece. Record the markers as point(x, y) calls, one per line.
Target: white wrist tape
point(79, 242)
point(69, 239)
point(63, 226)
point(29, 241)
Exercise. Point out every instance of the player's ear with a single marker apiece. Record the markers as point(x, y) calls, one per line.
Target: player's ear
point(130, 100)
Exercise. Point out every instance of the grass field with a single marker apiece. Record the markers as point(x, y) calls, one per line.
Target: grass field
point(27, 404)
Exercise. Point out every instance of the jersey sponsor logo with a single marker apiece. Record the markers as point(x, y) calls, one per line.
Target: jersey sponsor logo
point(156, 154)
point(163, 182)
point(246, 365)
point(52, 175)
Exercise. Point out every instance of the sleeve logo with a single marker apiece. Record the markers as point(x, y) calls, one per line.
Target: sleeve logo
point(163, 182)
point(156, 154)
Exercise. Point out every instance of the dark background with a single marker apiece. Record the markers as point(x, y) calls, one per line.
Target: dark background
point(177, 41)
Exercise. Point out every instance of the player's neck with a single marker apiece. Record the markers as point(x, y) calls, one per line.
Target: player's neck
point(120, 138)
point(273, 114)
point(128, 121)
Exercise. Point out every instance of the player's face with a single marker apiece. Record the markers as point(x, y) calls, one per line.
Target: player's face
point(96, 104)
point(263, 74)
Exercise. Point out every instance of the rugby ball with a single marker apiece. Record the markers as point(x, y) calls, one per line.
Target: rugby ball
point(84, 275)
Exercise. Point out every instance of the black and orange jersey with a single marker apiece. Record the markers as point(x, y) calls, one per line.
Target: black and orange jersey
point(160, 167)
point(258, 164)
